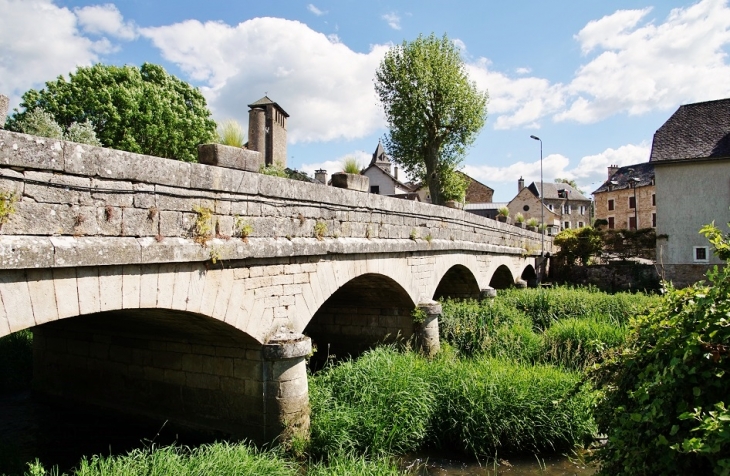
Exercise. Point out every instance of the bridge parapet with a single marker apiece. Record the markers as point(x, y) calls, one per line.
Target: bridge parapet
point(79, 205)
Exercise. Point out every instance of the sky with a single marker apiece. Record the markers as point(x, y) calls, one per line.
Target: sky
point(594, 80)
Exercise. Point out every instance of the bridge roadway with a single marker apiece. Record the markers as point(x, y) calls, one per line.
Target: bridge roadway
point(193, 293)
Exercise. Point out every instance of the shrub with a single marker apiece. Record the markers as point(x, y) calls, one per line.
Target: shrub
point(231, 133)
point(351, 166)
point(519, 218)
point(503, 212)
point(532, 222)
point(83, 133)
point(274, 170)
point(578, 244)
point(666, 393)
point(38, 122)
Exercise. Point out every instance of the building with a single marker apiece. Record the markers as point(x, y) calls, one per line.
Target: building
point(384, 177)
point(485, 209)
point(565, 207)
point(628, 198)
point(691, 157)
point(267, 130)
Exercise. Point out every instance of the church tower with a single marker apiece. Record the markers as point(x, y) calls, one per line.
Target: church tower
point(267, 130)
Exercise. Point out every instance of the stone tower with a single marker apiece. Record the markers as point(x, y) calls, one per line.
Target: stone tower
point(267, 130)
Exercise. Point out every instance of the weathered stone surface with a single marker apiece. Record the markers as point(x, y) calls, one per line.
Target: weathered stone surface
point(4, 102)
point(26, 252)
point(31, 152)
point(95, 251)
point(360, 183)
point(230, 157)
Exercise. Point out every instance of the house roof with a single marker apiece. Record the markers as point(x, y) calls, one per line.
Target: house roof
point(551, 191)
point(475, 180)
point(485, 206)
point(695, 131)
point(389, 175)
point(265, 101)
point(620, 179)
point(379, 155)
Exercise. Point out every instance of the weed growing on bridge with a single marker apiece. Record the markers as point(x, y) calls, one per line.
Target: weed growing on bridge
point(152, 213)
point(414, 234)
point(215, 254)
point(320, 230)
point(203, 228)
point(243, 228)
point(7, 205)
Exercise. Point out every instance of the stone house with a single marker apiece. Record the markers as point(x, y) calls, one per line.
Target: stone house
point(691, 157)
point(628, 196)
point(384, 176)
point(565, 207)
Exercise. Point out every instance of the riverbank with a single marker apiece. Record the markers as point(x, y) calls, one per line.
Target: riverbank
point(508, 381)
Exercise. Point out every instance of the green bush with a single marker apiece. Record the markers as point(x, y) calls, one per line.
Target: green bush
point(580, 343)
point(665, 396)
point(231, 133)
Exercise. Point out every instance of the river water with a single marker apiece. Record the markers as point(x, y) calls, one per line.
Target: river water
point(60, 434)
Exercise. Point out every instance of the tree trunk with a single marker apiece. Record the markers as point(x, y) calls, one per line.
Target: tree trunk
point(432, 175)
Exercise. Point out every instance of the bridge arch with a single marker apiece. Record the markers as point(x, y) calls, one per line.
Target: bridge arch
point(367, 310)
point(457, 283)
point(529, 275)
point(502, 278)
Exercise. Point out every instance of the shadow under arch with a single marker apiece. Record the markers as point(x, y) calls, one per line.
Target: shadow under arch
point(529, 276)
point(457, 283)
point(364, 312)
point(192, 370)
point(502, 278)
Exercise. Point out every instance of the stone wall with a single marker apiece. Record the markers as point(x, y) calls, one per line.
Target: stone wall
point(614, 277)
point(78, 200)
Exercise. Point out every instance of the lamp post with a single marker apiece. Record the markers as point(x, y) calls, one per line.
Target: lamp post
point(542, 214)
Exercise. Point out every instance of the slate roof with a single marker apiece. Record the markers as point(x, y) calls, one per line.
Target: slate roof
point(696, 131)
point(485, 206)
point(551, 191)
point(379, 155)
point(265, 101)
point(644, 172)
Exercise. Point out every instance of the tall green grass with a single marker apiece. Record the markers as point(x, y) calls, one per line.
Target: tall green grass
point(396, 402)
point(580, 343)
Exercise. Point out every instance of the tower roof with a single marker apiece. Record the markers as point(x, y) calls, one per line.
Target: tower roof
point(266, 101)
point(379, 156)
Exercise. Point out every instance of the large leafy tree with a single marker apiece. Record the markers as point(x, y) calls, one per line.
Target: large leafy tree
point(144, 110)
point(434, 112)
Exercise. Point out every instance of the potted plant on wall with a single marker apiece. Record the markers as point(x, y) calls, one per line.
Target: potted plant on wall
point(519, 220)
point(230, 151)
point(502, 214)
point(532, 224)
point(350, 177)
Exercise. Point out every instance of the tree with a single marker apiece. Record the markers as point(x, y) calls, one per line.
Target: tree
point(434, 112)
point(143, 110)
point(570, 182)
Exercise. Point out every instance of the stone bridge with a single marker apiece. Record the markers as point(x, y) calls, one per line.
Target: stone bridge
point(190, 292)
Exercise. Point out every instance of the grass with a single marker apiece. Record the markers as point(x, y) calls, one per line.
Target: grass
point(231, 133)
point(351, 166)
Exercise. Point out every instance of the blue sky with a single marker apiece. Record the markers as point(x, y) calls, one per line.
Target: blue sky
point(594, 80)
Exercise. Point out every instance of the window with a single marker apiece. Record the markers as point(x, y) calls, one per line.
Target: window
point(653, 199)
point(610, 204)
point(566, 209)
point(700, 254)
point(632, 202)
point(375, 189)
point(581, 224)
point(526, 208)
point(632, 223)
point(550, 206)
point(653, 220)
point(610, 223)
point(566, 225)
point(582, 209)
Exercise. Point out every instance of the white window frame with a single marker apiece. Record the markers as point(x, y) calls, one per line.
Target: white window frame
point(581, 224)
point(566, 225)
point(707, 254)
point(550, 206)
point(582, 209)
point(566, 209)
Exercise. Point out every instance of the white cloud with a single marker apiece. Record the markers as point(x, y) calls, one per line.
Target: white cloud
point(105, 19)
point(590, 172)
point(325, 87)
point(633, 66)
point(392, 19)
point(38, 42)
point(315, 10)
point(644, 67)
point(459, 44)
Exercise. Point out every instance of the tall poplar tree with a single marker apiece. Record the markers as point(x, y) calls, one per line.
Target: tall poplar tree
point(433, 111)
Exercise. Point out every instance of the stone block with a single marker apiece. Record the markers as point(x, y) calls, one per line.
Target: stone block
point(95, 251)
point(229, 157)
point(30, 152)
point(140, 222)
point(4, 104)
point(26, 252)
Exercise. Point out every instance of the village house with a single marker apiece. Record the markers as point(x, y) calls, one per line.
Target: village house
point(691, 157)
point(565, 207)
point(384, 177)
point(628, 198)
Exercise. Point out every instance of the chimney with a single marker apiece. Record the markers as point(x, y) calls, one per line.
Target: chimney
point(321, 176)
point(612, 170)
point(395, 174)
point(520, 184)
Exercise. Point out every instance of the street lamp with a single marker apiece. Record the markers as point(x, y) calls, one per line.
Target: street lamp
point(542, 212)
